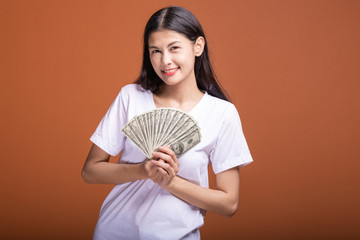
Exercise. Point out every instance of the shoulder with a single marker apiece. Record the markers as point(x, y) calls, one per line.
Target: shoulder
point(221, 107)
point(132, 90)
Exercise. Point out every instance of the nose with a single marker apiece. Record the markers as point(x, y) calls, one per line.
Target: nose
point(166, 58)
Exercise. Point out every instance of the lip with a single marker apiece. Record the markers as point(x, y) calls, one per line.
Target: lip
point(170, 73)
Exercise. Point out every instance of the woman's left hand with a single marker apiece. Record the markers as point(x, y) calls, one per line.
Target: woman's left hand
point(166, 164)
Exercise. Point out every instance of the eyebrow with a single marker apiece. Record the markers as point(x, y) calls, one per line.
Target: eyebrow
point(167, 45)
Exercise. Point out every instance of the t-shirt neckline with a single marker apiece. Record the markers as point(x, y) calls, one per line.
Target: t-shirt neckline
point(189, 112)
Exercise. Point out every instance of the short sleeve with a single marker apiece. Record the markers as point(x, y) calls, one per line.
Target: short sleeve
point(231, 149)
point(108, 135)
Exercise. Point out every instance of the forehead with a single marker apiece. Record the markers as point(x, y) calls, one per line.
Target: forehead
point(164, 37)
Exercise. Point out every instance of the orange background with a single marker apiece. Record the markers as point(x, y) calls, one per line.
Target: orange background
point(290, 66)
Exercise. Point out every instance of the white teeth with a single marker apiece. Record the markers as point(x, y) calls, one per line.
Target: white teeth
point(170, 71)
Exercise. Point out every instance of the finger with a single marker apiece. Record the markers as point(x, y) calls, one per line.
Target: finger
point(166, 178)
point(167, 149)
point(170, 172)
point(161, 155)
point(165, 168)
point(156, 179)
point(158, 176)
point(163, 172)
point(152, 171)
point(154, 157)
point(166, 157)
point(160, 164)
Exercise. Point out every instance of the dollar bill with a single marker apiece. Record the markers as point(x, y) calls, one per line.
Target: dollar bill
point(180, 146)
point(170, 116)
point(145, 135)
point(163, 126)
point(132, 131)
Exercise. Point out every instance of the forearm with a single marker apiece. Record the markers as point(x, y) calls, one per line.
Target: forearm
point(112, 173)
point(217, 201)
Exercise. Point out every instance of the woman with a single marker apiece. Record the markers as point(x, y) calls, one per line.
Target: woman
point(166, 197)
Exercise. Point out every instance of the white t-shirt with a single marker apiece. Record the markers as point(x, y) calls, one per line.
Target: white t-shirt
point(142, 209)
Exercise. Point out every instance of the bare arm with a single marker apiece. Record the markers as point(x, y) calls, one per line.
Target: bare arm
point(222, 200)
point(98, 169)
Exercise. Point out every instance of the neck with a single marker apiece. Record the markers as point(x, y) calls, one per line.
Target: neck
point(183, 91)
point(184, 95)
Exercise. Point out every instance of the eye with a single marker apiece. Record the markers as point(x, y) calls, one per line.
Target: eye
point(175, 48)
point(155, 51)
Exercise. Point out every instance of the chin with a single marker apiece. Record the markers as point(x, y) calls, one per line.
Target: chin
point(171, 82)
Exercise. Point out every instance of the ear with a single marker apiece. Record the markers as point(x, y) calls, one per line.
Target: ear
point(199, 46)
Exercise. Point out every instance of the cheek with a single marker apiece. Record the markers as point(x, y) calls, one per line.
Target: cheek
point(188, 61)
point(184, 59)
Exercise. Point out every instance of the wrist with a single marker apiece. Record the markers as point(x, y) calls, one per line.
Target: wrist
point(171, 183)
point(142, 170)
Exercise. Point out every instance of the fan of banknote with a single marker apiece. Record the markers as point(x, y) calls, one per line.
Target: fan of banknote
point(161, 127)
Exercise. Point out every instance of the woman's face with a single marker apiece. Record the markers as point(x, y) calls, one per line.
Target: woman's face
point(172, 56)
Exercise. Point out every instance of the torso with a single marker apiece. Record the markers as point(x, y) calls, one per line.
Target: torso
point(142, 209)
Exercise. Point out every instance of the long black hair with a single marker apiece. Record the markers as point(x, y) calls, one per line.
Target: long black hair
point(182, 21)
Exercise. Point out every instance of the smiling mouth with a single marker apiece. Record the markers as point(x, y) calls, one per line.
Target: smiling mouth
point(170, 71)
